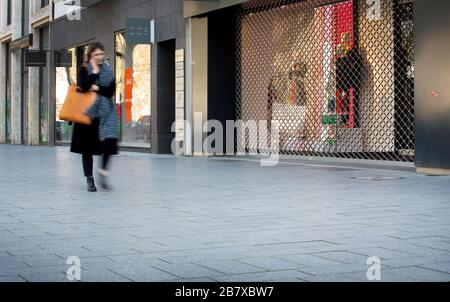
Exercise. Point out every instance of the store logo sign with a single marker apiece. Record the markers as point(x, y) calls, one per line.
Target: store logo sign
point(140, 31)
point(373, 10)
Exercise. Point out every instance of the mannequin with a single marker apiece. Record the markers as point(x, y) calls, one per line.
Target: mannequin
point(271, 99)
point(348, 82)
point(297, 94)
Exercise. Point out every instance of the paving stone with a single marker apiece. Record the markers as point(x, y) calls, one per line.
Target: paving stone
point(310, 260)
point(263, 277)
point(343, 256)
point(270, 263)
point(143, 273)
point(102, 275)
point(47, 274)
point(230, 267)
point(419, 274)
point(438, 266)
point(12, 279)
point(186, 270)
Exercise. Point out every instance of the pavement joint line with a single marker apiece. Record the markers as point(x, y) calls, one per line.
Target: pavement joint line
point(159, 269)
point(294, 242)
point(343, 167)
point(430, 269)
point(162, 260)
point(131, 280)
point(218, 271)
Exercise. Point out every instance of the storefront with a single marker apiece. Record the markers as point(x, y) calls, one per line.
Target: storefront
point(132, 67)
point(338, 76)
point(145, 72)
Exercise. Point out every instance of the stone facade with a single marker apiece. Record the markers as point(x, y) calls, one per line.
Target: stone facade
point(22, 112)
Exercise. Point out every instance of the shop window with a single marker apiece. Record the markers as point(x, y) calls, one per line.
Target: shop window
point(44, 3)
point(25, 17)
point(65, 76)
point(9, 12)
point(336, 75)
point(133, 92)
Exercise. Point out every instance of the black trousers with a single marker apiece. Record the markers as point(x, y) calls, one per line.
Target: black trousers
point(109, 148)
point(88, 163)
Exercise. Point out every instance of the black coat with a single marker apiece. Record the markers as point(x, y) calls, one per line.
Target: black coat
point(85, 138)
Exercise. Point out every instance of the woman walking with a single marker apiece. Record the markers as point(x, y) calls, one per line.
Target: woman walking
point(99, 138)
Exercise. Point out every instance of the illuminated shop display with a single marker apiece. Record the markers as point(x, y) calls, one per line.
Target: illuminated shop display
point(336, 75)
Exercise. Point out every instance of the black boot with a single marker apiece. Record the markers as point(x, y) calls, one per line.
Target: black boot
point(91, 185)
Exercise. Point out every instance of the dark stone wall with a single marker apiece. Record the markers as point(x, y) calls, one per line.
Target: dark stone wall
point(432, 83)
point(222, 69)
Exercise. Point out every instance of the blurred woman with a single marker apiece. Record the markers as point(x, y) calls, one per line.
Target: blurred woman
point(99, 138)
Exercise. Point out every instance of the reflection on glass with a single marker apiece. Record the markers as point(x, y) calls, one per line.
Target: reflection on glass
point(65, 76)
point(133, 72)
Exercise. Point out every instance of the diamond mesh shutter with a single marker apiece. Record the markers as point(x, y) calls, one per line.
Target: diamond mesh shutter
point(337, 76)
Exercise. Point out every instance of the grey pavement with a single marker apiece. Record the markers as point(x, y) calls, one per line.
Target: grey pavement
point(199, 219)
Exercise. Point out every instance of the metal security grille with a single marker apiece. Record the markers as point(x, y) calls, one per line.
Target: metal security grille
point(338, 76)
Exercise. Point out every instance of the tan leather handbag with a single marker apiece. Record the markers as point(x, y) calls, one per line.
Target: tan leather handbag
point(75, 106)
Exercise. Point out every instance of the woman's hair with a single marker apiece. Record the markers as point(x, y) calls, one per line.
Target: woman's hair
point(92, 48)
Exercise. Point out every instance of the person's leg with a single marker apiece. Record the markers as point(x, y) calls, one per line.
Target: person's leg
point(105, 161)
point(88, 166)
point(103, 171)
point(109, 148)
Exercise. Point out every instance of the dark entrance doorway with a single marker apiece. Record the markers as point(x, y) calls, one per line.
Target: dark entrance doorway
point(163, 98)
